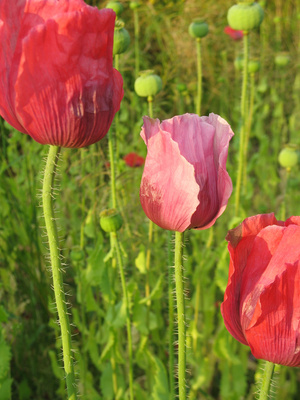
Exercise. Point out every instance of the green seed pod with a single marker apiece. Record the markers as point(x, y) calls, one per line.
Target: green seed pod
point(198, 29)
point(245, 16)
point(288, 157)
point(148, 84)
point(282, 60)
point(239, 63)
point(253, 66)
point(77, 255)
point(134, 5)
point(110, 220)
point(116, 6)
point(121, 38)
point(181, 87)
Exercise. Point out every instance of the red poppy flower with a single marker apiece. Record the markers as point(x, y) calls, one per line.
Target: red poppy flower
point(134, 160)
point(261, 305)
point(233, 33)
point(57, 82)
point(185, 184)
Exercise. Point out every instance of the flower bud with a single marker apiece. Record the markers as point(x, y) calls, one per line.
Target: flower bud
point(239, 63)
point(134, 5)
point(253, 66)
point(282, 59)
point(116, 6)
point(148, 84)
point(245, 16)
point(110, 220)
point(181, 87)
point(77, 255)
point(121, 38)
point(198, 29)
point(288, 157)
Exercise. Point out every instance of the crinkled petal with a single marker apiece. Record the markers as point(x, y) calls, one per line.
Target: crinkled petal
point(240, 246)
point(274, 334)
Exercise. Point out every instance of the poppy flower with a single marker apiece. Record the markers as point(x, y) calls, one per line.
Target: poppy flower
point(185, 184)
point(233, 33)
point(261, 305)
point(57, 82)
point(133, 160)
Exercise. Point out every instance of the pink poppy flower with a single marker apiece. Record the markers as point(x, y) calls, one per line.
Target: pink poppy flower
point(261, 305)
point(133, 160)
point(233, 33)
point(185, 184)
point(57, 82)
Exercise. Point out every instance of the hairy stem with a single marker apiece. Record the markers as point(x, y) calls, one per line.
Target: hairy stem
point(199, 76)
point(51, 228)
point(266, 381)
point(180, 315)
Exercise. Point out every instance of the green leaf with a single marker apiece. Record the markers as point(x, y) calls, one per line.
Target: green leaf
point(161, 386)
point(140, 261)
point(156, 292)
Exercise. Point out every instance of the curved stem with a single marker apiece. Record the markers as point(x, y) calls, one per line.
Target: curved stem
point(51, 228)
point(199, 75)
point(116, 247)
point(244, 122)
point(180, 315)
point(248, 130)
point(266, 381)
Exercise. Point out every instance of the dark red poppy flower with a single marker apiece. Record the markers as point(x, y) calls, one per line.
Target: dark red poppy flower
point(133, 160)
point(233, 33)
point(57, 81)
point(261, 305)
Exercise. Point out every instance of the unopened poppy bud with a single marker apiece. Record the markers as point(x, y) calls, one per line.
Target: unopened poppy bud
point(116, 6)
point(110, 220)
point(148, 84)
point(282, 60)
point(288, 157)
point(245, 16)
point(181, 87)
point(253, 66)
point(77, 255)
point(134, 5)
point(198, 29)
point(121, 38)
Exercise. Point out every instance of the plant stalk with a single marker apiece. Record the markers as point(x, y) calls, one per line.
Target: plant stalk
point(266, 381)
point(51, 228)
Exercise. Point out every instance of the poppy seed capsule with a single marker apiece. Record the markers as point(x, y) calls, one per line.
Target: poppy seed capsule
point(282, 60)
point(121, 39)
point(288, 158)
point(134, 5)
point(110, 220)
point(77, 255)
point(245, 16)
point(253, 66)
point(148, 84)
point(198, 29)
point(116, 6)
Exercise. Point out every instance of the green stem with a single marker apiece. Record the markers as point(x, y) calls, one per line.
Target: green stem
point(244, 123)
point(112, 168)
point(266, 381)
point(284, 189)
point(82, 150)
point(51, 228)
point(171, 321)
point(180, 315)
point(249, 124)
point(150, 106)
point(136, 43)
point(115, 244)
point(199, 75)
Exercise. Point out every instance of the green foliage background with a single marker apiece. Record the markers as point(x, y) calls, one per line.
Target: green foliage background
point(221, 368)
